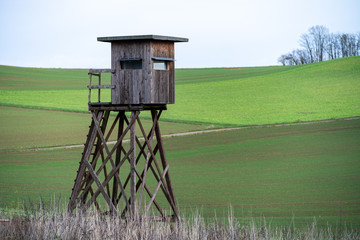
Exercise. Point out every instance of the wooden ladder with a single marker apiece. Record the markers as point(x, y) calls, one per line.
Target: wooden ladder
point(97, 73)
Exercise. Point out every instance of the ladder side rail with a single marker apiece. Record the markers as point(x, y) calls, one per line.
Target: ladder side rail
point(90, 79)
point(97, 73)
point(99, 90)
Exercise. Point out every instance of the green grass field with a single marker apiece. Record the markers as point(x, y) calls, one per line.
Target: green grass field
point(227, 97)
point(20, 126)
point(305, 171)
point(301, 171)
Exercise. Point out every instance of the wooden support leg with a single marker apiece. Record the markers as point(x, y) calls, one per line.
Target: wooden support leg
point(147, 157)
point(158, 173)
point(95, 179)
point(109, 154)
point(98, 150)
point(118, 156)
point(164, 164)
point(132, 167)
point(85, 157)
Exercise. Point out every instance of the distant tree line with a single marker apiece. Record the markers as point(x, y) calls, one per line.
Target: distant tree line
point(320, 45)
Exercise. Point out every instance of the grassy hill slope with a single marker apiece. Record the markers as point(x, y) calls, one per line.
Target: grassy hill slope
point(309, 92)
point(233, 97)
point(19, 78)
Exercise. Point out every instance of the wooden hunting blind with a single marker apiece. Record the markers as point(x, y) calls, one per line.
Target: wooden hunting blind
point(142, 79)
point(142, 69)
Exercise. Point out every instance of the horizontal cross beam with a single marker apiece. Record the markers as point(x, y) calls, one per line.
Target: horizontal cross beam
point(101, 86)
point(92, 71)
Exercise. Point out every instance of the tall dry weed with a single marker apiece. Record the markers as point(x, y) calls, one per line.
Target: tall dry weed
point(43, 222)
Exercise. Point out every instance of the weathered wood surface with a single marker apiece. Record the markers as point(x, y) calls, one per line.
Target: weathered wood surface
point(100, 187)
point(156, 190)
point(142, 37)
point(163, 81)
point(95, 71)
point(135, 91)
point(111, 175)
point(128, 94)
point(99, 89)
point(133, 165)
point(88, 185)
point(121, 115)
point(98, 151)
point(160, 87)
point(85, 157)
point(89, 96)
point(164, 163)
point(101, 86)
point(142, 152)
point(113, 107)
point(105, 161)
point(148, 141)
point(171, 92)
point(145, 86)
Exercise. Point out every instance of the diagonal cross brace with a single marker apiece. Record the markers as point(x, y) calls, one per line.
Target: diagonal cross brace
point(108, 157)
point(156, 190)
point(111, 174)
point(97, 126)
point(81, 171)
point(95, 158)
point(147, 156)
point(101, 188)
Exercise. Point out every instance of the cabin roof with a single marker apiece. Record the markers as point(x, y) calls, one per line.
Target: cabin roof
point(142, 37)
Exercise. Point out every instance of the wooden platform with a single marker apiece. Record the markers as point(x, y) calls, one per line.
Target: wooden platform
point(121, 107)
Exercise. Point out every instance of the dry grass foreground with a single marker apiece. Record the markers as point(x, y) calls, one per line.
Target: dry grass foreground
point(41, 223)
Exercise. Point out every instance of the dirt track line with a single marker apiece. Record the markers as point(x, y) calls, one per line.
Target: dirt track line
point(190, 133)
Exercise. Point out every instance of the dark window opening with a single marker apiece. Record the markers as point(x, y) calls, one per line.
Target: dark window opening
point(131, 63)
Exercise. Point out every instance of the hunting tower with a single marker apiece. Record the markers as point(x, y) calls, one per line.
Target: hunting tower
point(113, 175)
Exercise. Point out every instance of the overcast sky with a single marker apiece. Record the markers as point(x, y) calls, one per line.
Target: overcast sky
point(222, 33)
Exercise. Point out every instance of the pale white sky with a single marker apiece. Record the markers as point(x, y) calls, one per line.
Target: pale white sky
point(223, 33)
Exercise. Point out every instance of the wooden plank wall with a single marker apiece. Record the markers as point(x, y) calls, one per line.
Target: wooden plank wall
point(171, 99)
point(131, 85)
point(146, 86)
point(135, 82)
point(163, 82)
point(160, 86)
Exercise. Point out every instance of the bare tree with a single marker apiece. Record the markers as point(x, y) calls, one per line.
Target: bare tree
point(302, 56)
point(282, 59)
point(332, 46)
point(349, 44)
point(306, 42)
point(293, 58)
point(344, 45)
point(358, 43)
point(319, 45)
point(288, 59)
point(352, 45)
point(318, 36)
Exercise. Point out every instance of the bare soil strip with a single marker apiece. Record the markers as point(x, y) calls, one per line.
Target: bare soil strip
point(191, 133)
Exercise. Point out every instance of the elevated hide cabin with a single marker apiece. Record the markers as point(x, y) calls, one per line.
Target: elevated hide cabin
point(142, 80)
point(142, 69)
